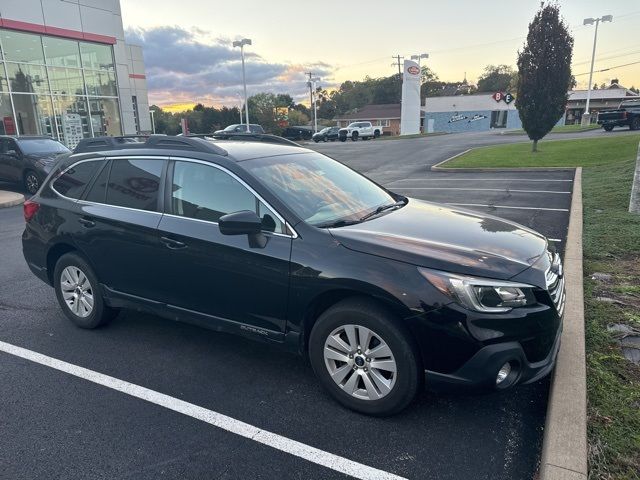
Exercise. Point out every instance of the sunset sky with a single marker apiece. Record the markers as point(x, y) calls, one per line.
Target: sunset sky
point(189, 58)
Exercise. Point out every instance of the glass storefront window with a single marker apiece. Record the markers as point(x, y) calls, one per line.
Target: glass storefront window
point(4, 85)
point(34, 114)
point(96, 56)
point(66, 81)
point(73, 119)
point(101, 83)
point(105, 116)
point(27, 78)
point(61, 53)
point(22, 47)
point(7, 124)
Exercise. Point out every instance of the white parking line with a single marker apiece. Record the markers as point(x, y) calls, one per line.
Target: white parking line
point(554, 240)
point(445, 179)
point(481, 189)
point(506, 206)
point(284, 444)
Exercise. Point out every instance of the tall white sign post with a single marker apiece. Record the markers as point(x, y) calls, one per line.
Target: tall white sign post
point(410, 111)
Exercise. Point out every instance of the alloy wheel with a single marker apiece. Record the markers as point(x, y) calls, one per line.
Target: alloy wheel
point(32, 183)
point(360, 362)
point(77, 291)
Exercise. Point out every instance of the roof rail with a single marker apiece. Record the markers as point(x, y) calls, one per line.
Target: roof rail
point(126, 142)
point(246, 137)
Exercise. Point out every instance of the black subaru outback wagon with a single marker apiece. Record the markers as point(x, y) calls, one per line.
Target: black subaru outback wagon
point(286, 245)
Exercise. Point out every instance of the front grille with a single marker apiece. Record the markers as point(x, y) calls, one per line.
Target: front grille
point(555, 282)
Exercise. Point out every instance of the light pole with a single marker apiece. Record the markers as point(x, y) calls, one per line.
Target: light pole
point(241, 44)
point(315, 110)
point(586, 116)
point(240, 108)
point(153, 121)
point(419, 57)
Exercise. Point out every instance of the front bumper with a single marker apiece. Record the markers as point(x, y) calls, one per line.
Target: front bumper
point(481, 369)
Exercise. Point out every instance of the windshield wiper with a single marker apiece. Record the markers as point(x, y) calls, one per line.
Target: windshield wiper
point(382, 208)
point(338, 223)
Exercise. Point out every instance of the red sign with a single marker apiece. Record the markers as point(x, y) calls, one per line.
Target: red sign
point(413, 70)
point(497, 96)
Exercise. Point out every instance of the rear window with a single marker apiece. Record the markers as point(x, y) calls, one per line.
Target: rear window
point(74, 180)
point(134, 183)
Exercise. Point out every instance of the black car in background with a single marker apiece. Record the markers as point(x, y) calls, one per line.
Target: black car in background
point(28, 159)
point(241, 128)
point(326, 134)
point(297, 133)
point(279, 243)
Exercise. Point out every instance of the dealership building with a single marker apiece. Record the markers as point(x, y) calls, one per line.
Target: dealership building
point(67, 72)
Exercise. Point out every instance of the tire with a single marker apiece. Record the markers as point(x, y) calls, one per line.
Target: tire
point(324, 139)
point(31, 181)
point(343, 139)
point(608, 128)
point(65, 278)
point(388, 392)
point(354, 137)
point(316, 140)
point(376, 134)
point(635, 123)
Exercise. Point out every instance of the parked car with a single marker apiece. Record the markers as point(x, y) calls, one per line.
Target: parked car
point(627, 114)
point(283, 244)
point(241, 127)
point(363, 130)
point(28, 159)
point(297, 133)
point(326, 134)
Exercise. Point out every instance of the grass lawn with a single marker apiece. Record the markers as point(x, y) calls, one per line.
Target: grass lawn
point(561, 129)
point(611, 247)
point(612, 296)
point(585, 152)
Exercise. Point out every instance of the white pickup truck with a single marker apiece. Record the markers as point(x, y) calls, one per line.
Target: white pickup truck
point(363, 130)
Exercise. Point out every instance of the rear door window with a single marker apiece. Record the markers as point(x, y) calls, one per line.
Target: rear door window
point(74, 180)
point(135, 183)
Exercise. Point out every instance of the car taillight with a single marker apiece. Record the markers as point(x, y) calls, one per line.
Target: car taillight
point(30, 208)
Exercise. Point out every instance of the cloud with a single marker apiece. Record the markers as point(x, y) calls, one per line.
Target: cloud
point(190, 65)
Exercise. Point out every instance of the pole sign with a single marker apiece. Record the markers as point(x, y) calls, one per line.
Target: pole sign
point(410, 108)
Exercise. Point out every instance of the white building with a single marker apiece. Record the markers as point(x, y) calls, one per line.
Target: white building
point(67, 72)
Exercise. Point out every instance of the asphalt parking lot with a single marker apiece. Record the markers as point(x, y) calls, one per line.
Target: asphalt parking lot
point(57, 425)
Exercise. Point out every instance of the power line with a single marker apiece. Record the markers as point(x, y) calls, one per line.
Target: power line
point(608, 68)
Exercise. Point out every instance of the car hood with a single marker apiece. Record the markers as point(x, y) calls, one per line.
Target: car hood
point(444, 238)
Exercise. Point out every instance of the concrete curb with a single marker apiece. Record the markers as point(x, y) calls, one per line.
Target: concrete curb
point(439, 168)
point(564, 446)
point(10, 199)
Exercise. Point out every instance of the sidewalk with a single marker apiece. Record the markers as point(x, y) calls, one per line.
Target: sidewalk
point(10, 199)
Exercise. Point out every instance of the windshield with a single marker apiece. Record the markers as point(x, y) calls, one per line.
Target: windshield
point(324, 130)
point(231, 128)
point(41, 145)
point(319, 189)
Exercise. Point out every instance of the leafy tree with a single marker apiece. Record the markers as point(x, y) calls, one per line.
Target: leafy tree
point(496, 78)
point(298, 118)
point(544, 73)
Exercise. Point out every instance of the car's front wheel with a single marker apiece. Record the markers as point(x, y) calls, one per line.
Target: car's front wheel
point(367, 363)
point(608, 128)
point(635, 124)
point(79, 294)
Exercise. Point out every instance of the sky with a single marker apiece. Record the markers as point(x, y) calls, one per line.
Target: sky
point(189, 57)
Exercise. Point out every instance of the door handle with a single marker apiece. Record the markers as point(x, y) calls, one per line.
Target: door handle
point(172, 244)
point(85, 222)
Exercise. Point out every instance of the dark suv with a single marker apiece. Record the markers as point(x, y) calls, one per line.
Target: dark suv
point(28, 160)
point(286, 245)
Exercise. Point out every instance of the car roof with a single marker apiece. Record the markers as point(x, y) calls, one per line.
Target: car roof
point(28, 137)
point(239, 151)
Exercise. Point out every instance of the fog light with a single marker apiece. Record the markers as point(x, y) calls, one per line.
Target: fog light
point(503, 373)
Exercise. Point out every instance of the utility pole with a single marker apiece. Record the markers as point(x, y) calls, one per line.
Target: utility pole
point(398, 61)
point(310, 89)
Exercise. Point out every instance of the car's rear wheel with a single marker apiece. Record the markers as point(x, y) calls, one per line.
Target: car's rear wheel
point(354, 136)
point(376, 134)
point(78, 292)
point(635, 124)
point(366, 363)
point(31, 182)
point(608, 128)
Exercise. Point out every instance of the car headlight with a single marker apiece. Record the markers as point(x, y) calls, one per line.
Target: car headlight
point(481, 294)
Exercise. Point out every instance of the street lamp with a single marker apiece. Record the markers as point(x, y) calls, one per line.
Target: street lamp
point(241, 44)
point(419, 57)
point(153, 121)
point(313, 81)
point(239, 103)
point(586, 116)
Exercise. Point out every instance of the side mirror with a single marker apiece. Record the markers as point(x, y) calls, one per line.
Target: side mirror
point(244, 222)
